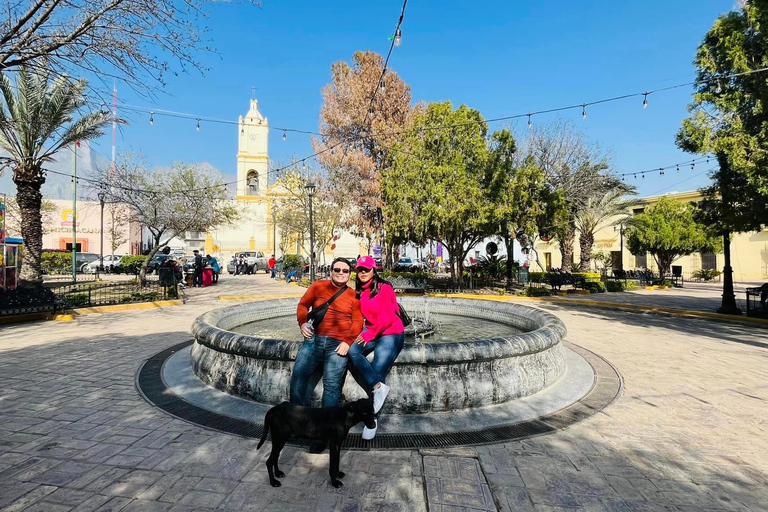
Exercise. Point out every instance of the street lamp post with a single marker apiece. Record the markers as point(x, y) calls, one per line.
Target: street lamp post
point(274, 231)
point(100, 268)
point(311, 192)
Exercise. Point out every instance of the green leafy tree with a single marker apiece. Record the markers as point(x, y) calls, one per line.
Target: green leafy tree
point(668, 230)
point(435, 186)
point(39, 117)
point(522, 201)
point(729, 119)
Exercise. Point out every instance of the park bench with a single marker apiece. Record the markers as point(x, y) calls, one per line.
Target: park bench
point(756, 301)
point(558, 279)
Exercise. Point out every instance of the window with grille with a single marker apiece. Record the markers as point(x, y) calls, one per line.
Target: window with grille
point(708, 261)
point(641, 260)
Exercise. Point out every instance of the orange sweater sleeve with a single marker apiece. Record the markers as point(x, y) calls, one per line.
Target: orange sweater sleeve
point(305, 303)
point(357, 323)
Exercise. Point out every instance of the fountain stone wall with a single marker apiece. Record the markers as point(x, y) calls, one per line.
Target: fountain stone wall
point(427, 377)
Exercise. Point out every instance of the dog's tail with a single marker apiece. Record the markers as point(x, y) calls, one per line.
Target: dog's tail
point(266, 428)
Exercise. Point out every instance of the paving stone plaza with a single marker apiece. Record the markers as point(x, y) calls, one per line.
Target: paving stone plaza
point(688, 432)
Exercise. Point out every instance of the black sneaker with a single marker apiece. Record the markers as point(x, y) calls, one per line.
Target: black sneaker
point(317, 446)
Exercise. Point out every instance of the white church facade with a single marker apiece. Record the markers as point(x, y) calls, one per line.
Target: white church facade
point(256, 198)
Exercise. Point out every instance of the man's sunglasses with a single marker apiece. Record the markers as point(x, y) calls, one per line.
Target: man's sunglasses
point(341, 270)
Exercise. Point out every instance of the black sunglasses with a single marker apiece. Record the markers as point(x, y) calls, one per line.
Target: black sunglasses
point(341, 270)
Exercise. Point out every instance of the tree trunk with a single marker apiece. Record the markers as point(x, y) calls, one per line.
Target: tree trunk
point(30, 199)
point(728, 305)
point(509, 244)
point(566, 247)
point(586, 240)
point(152, 252)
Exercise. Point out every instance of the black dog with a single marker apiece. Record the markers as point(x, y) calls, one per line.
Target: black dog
point(330, 424)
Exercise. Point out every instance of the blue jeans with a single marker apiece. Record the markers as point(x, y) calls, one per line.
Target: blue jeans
point(385, 350)
point(318, 350)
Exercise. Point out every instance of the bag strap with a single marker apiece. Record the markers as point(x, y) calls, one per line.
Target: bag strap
point(336, 296)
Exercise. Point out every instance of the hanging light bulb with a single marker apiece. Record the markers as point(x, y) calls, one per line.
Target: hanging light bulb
point(645, 100)
point(661, 171)
point(398, 37)
point(678, 168)
point(719, 87)
point(707, 159)
point(530, 122)
point(284, 137)
point(151, 119)
point(333, 150)
point(198, 124)
point(643, 175)
point(635, 175)
point(382, 85)
point(370, 110)
point(693, 165)
point(583, 110)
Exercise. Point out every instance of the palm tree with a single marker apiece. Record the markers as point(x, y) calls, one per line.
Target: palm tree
point(37, 120)
point(596, 210)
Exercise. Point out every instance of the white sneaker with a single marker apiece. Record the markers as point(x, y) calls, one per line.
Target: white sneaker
point(379, 395)
point(370, 433)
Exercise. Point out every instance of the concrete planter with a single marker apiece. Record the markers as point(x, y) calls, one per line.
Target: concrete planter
point(427, 377)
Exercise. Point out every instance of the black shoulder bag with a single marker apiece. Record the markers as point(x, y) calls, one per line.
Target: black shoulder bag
point(317, 314)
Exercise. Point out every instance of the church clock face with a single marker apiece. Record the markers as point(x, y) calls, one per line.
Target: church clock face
point(253, 137)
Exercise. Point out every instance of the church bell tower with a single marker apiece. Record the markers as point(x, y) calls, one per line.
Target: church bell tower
point(252, 154)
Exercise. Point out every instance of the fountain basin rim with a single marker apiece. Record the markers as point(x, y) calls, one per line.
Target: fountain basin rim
point(548, 332)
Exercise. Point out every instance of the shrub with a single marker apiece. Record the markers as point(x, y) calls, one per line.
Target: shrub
point(614, 286)
point(56, 262)
point(132, 264)
point(537, 277)
point(292, 262)
point(535, 291)
point(587, 276)
point(595, 287)
point(76, 300)
point(706, 274)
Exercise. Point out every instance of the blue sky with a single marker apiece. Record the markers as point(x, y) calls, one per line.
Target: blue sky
point(500, 57)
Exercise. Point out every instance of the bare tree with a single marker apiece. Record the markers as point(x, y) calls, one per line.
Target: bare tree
point(13, 215)
point(168, 202)
point(571, 164)
point(132, 40)
point(118, 230)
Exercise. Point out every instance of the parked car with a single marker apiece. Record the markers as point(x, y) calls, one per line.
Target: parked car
point(109, 261)
point(156, 261)
point(256, 261)
point(408, 265)
point(379, 263)
point(84, 258)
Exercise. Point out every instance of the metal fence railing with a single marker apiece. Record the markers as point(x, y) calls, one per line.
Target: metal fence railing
point(104, 294)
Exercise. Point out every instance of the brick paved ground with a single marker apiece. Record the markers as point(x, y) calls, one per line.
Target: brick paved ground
point(689, 433)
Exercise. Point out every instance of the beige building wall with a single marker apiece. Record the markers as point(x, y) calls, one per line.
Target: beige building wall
point(749, 251)
point(58, 228)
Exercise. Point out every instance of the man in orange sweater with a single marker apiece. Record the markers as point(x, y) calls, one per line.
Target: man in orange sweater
point(326, 344)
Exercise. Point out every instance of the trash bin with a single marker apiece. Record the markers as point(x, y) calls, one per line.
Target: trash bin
point(207, 276)
point(166, 277)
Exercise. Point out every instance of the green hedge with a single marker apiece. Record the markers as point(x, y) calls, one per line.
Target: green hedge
point(595, 287)
point(57, 262)
point(543, 277)
point(132, 264)
point(620, 286)
point(534, 291)
point(407, 275)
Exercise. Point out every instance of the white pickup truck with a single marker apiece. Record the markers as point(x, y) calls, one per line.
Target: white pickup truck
point(256, 261)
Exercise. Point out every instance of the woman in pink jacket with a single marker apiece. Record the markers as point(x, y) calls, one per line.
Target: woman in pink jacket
point(383, 333)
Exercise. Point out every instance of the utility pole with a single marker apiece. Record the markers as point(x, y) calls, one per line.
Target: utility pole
point(74, 212)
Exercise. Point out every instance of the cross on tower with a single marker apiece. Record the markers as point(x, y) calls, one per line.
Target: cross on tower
point(253, 93)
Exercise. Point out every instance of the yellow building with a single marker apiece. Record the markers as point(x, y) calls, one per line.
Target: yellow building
point(749, 251)
point(255, 198)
